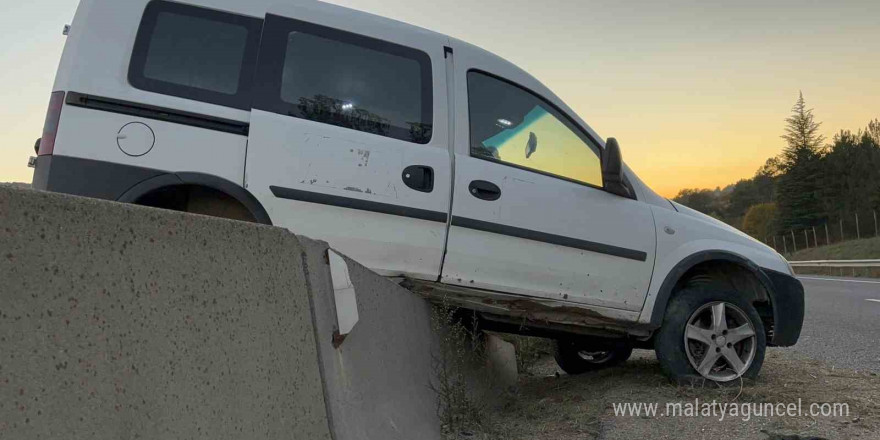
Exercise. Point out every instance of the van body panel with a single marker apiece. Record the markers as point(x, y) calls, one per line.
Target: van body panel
point(302, 155)
point(105, 30)
point(94, 134)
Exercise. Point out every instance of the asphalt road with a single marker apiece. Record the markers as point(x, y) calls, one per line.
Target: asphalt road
point(842, 322)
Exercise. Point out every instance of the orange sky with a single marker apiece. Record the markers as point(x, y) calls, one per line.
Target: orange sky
point(696, 92)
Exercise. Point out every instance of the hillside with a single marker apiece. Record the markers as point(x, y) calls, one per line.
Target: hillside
point(864, 249)
point(19, 185)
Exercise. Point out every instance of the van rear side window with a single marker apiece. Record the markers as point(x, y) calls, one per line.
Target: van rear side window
point(339, 78)
point(196, 53)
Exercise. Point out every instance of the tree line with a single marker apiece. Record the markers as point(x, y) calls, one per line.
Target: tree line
point(811, 184)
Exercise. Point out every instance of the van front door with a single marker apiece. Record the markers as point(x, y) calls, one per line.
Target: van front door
point(529, 214)
point(349, 139)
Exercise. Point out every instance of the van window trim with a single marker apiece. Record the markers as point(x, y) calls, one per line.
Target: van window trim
point(267, 96)
point(571, 120)
point(240, 100)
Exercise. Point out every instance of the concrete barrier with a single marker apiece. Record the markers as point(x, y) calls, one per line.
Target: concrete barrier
point(377, 381)
point(118, 321)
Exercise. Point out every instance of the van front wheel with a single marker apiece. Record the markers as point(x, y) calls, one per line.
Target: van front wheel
point(711, 331)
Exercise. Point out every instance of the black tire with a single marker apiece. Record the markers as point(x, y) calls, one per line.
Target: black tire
point(669, 342)
point(569, 356)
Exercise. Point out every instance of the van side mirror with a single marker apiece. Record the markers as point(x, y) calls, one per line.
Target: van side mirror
point(612, 170)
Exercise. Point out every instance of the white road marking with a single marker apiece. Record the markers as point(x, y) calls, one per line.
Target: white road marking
point(842, 280)
point(875, 300)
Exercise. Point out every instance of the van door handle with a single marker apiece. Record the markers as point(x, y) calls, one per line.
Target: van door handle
point(484, 190)
point(419, 178)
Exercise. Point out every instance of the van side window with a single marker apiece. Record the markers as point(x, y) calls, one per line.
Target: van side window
point(196, 53)
point(510, 125)
point(339, 78)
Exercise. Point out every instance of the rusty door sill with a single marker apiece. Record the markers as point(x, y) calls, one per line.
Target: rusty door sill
point(528, 311)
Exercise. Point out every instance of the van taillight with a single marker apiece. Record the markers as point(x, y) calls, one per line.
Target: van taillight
point(50, 127)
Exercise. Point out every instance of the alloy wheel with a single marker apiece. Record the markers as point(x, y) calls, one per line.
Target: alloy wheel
point(596, 357)
point(720, 341)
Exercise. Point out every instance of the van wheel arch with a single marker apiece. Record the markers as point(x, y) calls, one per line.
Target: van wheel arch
point(151, 192)
point(716, 266)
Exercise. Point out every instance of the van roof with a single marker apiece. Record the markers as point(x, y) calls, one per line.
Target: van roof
point(259, 8)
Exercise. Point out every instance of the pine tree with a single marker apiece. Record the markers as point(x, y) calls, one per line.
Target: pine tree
point(799, 186)
point(801, 135)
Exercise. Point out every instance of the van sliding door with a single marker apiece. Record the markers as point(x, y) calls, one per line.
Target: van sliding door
point(349, 138)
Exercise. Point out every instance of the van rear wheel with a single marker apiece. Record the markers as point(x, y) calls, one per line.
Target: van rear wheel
point(712, 332)
point(578, 357)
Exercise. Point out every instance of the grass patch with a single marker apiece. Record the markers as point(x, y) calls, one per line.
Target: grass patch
point(458, 361)
point(854, 272)
point(529, 351)
point(864, 249)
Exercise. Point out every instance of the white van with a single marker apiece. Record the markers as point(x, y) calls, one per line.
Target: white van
point(418, 155)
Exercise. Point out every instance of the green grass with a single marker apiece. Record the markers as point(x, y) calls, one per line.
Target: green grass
point(864, 249)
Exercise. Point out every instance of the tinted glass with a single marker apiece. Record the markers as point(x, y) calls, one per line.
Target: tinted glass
point(357, 83)
point(511, 125)
point(196, 52)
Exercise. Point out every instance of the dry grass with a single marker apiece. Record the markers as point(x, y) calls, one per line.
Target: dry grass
point(457, 364)
point(555, 406)
point(529, 351)
point(17, 185)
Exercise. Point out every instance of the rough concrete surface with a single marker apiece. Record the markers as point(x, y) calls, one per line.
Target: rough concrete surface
point(377, 381)
point(501, 359)
point(118, 321)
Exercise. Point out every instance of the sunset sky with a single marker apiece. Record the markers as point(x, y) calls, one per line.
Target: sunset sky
point(695, 91)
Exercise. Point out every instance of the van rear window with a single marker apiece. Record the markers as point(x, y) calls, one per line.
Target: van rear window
point(335, 77)
point(195, 53)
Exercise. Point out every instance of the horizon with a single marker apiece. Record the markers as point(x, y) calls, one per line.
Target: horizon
point(695, 93)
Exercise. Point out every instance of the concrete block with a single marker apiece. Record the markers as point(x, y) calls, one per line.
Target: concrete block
point(377, 382)
point(118, 321)
point(501, 360)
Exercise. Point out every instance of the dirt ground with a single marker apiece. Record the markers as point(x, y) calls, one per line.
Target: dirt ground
point(547, 404)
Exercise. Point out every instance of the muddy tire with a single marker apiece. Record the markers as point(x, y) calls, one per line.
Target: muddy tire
point(710, 331)
point(578, 358)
